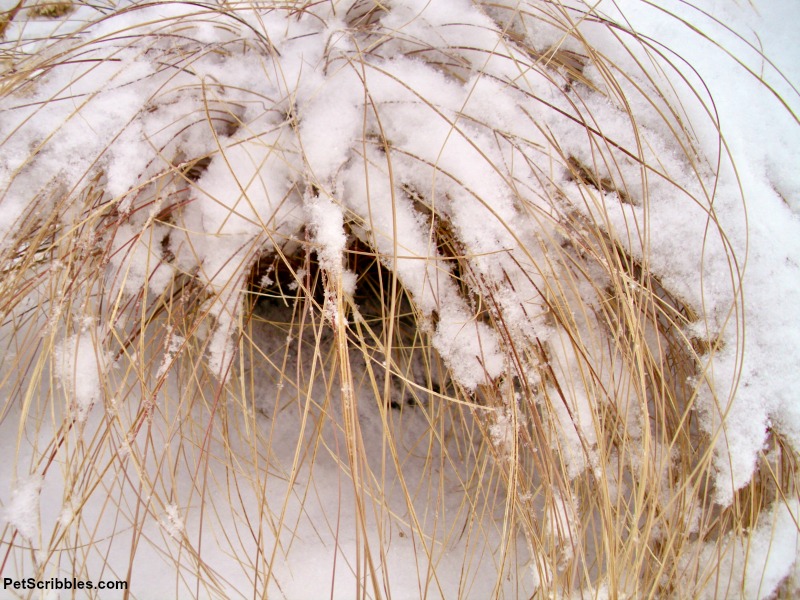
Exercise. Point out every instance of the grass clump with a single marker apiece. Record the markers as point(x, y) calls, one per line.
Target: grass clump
point(389, 290)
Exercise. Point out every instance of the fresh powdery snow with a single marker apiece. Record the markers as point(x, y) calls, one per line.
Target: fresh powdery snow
point(22, 509)
point(221, 139)
point(764, 233)
point(78, 370)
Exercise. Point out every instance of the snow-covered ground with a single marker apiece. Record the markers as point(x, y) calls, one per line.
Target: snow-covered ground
point(297, 112)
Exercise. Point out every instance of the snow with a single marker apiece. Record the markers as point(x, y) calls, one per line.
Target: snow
point(755, 566)
point(764, 233)
point(173, 524)
point(330, 119)
point(79, 367)
point(22, 512)
point(325, 221)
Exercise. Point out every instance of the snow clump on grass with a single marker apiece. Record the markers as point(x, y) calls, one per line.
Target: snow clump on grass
point(22, 512)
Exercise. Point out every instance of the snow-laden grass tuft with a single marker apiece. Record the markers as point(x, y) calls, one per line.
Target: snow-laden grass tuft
point(459, 299)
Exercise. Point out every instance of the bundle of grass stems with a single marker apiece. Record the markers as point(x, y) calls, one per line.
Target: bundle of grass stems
point(372, 299)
